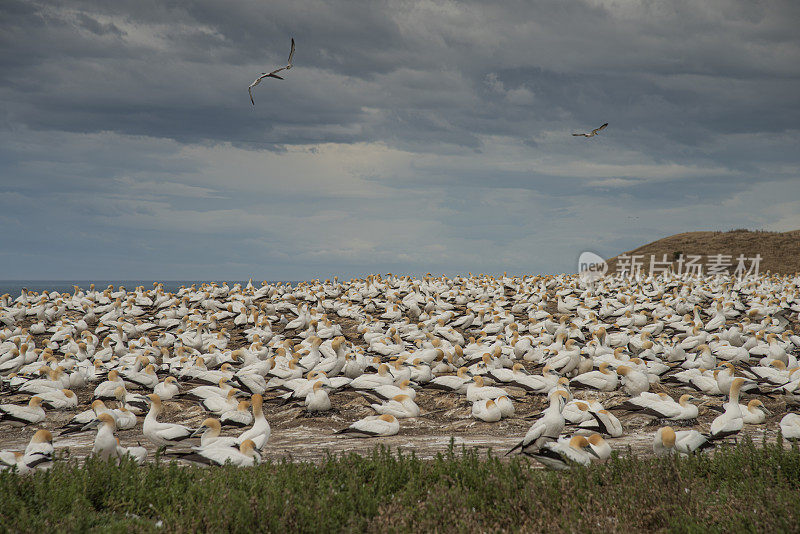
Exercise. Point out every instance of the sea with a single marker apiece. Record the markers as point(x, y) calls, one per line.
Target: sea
point(14, 287)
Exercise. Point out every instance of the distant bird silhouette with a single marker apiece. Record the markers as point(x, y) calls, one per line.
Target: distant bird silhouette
point(594, 132)
point(273, 74)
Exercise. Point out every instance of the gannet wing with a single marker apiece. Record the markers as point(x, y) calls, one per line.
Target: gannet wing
point(291, 53)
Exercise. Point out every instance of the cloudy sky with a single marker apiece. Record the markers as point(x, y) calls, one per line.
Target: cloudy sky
point(411, 136)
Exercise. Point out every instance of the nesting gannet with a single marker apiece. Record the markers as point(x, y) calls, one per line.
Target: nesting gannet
point(273, 74)
point(478, 391)
point(486, 410)
point(240, 416)
point(603, 422)
point(400, 406)
point(317, 399)
point(59, 399)
point(167, 389)
point(39, 452)
point(245, 455)
point(260, 431)
point(601, 448)
point(684, 442)
point(592, 133)
point(565, 453)
point(17, 415)
point(790, 426)
point(373, 426)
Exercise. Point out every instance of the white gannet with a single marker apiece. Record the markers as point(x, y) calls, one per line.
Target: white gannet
point(400, 406)
point(239, 416)
point(105, 443)
point(547, 428)
point(486, 410)
point(478, 391)
point(730, 422)
point(167, 389)
point(17, 415)
point(565, 453)
point(260, 431)
point(592, 133)
point(604, 422)
point(317, 399)
point(373, 426)
point(790, 426)
point(245, 455)
point(602, 379)
point(684, 442)
point(162, 434)
point(273, 74)
point(601, 448)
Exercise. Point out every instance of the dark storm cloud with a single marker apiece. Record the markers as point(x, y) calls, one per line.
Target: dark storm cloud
point(128, 123)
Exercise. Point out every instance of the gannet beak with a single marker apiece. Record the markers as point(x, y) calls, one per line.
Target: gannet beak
point(196, 432)
point(591, 451)
point(91, 424)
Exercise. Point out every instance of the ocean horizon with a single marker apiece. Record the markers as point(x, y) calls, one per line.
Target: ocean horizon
point(14, 287)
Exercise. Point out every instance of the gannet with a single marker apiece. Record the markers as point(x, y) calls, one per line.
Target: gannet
point(317, 399)
point(684, 442)
point(790, 426)
point(273, 74)
point(373, 426)
point(18, 416)
point(162, 434)
point(592, 133)
point(565, 453)
point(486, 410)
point(730, 422)
point(545, 429)
point(400, 406)
point(245, 455)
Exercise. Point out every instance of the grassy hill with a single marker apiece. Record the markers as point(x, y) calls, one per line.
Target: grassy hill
point(780, 251)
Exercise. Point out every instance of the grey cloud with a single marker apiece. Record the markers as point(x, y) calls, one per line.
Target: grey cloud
point(127, 126)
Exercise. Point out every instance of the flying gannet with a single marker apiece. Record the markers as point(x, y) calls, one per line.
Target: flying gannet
point(273, 74)
point(592, 134)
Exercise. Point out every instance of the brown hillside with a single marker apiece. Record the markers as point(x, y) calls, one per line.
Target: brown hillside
point(780, 251)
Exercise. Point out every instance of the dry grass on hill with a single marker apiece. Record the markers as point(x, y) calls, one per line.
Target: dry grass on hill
point(780, 251)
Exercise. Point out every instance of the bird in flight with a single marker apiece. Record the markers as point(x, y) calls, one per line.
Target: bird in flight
point(594, 132)
point(273, 74)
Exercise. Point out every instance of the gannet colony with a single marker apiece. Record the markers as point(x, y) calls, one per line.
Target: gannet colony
point(542, 365)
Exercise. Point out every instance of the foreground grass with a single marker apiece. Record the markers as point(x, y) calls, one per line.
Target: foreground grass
point(745, 488)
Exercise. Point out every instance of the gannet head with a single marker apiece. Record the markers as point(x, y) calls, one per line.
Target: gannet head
point(668, 436)
point(42, 436)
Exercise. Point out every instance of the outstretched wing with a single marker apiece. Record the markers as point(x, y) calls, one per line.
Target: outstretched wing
point(598, 129)
point(580, 135)
point(250, 90)
point(291, 53)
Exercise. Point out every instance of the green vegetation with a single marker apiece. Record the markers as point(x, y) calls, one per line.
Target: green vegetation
point(746, 488)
